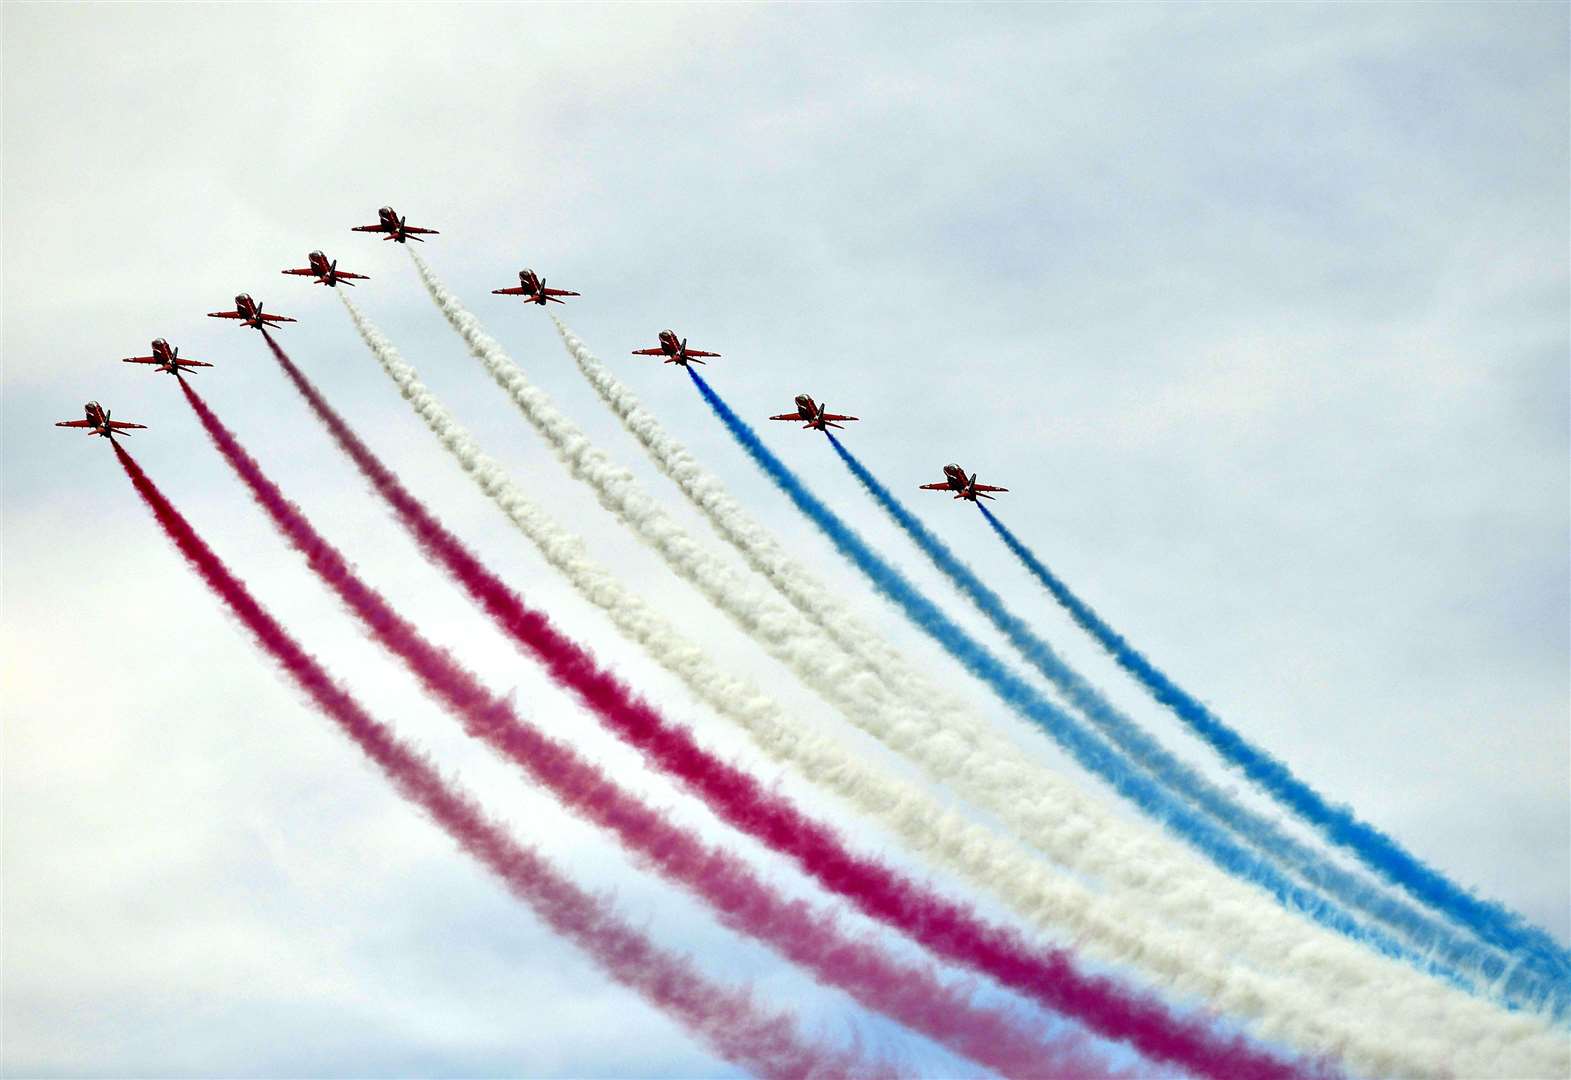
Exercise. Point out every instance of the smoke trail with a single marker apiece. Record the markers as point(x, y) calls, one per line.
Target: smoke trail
point(1433, 939)
point(810, 597)
point(1490, 920)
point(1111, 929)
point(948, 929)
point(1153, 877)
point(1141, 871)
point(723, 1018)
point(914, 996)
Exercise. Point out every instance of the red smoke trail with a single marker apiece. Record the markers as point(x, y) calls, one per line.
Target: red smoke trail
point(1048, 976)
point(724, 1018)
point(913, 995)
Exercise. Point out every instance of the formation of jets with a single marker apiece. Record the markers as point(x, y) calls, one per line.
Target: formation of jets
point(165, 359)
point(326, 273)
point(813, 415)
point(396, 228)
point(250, 313)
point(674, 351)
point(532, 288)
point(98, 423)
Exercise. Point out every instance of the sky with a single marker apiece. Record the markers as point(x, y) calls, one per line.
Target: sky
point(1260, 311)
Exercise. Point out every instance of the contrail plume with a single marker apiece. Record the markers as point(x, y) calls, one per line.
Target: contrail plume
point(1491, 921)
point(1224, 908)
point(1151, 876)
point(1051, 900)
point(1432, 939)
point(1049, 977)
point(911, 994)
point(723, 1018)
point(818, 603)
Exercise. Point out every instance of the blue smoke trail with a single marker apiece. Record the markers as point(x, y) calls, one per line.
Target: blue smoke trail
point(1086, 747)
point(1266, 835)
point(1431, 936)
point(1491, 921)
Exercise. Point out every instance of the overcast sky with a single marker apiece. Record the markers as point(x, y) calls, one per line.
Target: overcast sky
point(1261, 313)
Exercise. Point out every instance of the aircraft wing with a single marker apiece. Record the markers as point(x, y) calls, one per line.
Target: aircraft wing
point(700, 352)
point(308, 272)
point(836, 416)
point(181, 361)
point(941, 486)
point(648, 352)
point(787, 416)
point(516, 290)
point(369, 228)
point(986, 487)
point(346, 274)
point(141, 360)
point(559, 292)
point(224, 315)
point(412, 229)
point(73, 423)
point(119, 424)
point(276, 318)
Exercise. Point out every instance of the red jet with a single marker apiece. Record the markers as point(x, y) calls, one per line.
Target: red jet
point(98, 420)
point(955, 480)
point(166, 358)
point(326, 273)
point(532, 288)
point(812, 415)
point(394, 226)
point(674, 351)
point(250, 312)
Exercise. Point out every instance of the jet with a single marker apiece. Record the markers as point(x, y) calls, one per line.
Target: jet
point(99, 423)
point(326, 273)
point(532, 288)
point(250, 312)
point(812, 415)
point(955, 480)
point(394, 226)
point(166, 358)
point(674, 351)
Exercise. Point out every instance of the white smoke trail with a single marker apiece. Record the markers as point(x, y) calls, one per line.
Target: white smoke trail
point(1148, 873)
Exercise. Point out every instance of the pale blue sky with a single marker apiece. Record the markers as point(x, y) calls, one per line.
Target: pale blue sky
point(1260, 311)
